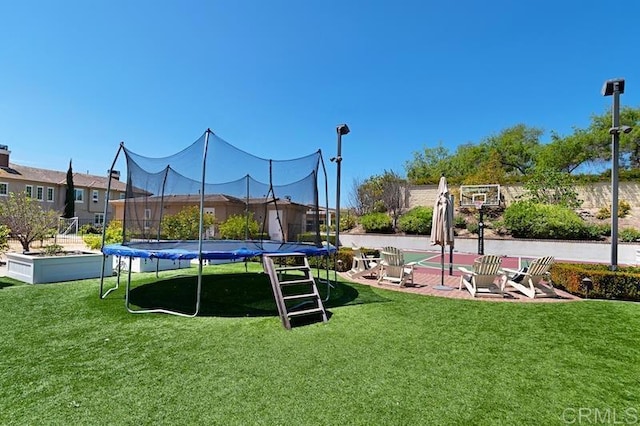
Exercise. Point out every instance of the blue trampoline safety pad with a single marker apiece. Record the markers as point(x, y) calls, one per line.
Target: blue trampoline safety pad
point(212, 249)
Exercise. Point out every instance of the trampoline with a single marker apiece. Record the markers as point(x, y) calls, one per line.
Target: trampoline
point(211, 249)
point(277, 203)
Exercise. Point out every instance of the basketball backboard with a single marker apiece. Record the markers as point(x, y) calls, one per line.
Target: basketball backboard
point(480, 195)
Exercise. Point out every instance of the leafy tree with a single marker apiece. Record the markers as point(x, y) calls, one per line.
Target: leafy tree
point(489, 171)
point(70, 196)
point(566, 154)
point(236, 227)
point(393, 194)
point(4, 238)
point(629, 143)
point(518, 147)
point(185, 225)
point(547, 186)
point(26, 219)
point(368, 196)
point(427, 166)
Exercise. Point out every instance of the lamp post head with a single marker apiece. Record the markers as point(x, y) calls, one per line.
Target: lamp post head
point(342, 129)
point(613, 85)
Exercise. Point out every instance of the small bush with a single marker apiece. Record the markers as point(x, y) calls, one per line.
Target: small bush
point(113, 235)
point(347, 222)
point(376, 222)
point(459, 222)
point(52, 249)
point(629, 235)
point(90, 228)
point(416, 221)
point(526, 219)
point(473, 227)
point(623, 210)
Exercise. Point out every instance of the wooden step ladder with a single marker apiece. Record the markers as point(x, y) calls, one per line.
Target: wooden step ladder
point(293, 286)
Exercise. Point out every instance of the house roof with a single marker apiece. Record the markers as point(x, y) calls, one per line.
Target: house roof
point(168, 199)
point(54, 177)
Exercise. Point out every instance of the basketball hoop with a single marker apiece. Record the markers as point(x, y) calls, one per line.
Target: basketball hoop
point(478, 204)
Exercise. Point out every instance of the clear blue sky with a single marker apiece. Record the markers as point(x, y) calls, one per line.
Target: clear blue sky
point(275, 77)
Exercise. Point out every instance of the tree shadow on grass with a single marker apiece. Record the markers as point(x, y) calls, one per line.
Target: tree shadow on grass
point(235, 295)
point(9, 282)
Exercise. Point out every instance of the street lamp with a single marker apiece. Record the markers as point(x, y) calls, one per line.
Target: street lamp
point(342, 129)
point(615, 88)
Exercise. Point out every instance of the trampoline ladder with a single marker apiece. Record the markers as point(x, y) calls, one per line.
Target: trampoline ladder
point(294, 287)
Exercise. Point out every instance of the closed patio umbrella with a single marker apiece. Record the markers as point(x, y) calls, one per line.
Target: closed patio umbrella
point(442, 225)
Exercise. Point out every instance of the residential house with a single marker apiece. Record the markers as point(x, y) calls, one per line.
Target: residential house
point(49, 188)
point(283, 220)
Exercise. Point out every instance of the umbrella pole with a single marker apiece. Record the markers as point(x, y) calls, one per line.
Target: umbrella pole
point(442, 286)
point(442, 266)
point(450, 260)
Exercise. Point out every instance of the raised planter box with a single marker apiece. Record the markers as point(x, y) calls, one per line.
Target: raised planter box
point(149, 265)
point(34, 268)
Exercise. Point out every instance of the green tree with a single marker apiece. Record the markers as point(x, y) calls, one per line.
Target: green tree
point(546, 186)
point(518, 147)
point(70, 195)
point(238, 227)
point(26, 219)
point(185, 225)
point(427, 166)
point(566, 154)
point(4, 238)
point(629, 143)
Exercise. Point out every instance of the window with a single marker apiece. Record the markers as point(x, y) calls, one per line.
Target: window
point(98, 218)
point(94, 195)
point(39, 193)
point(78, 195)
point(147, 219)
point(50, 194)
point(4, 189)
point(29, 190)
point(122, 195)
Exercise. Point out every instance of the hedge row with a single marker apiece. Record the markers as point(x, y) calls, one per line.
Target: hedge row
point(623, 284)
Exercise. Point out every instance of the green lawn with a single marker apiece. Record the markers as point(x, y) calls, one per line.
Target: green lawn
point(384, 357)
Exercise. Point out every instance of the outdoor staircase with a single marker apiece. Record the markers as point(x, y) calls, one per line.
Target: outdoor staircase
point(294, 288)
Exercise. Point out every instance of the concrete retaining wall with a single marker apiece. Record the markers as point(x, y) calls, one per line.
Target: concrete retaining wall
point(593, 196)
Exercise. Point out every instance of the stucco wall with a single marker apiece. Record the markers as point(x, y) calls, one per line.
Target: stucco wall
point(593, 196)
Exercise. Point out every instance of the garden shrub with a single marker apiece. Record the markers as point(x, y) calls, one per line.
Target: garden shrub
point(347, 222)
point(629, 235)
point(343, 261)
point(623, 210)
point(90, 228)
point(525, 219)
point(113, 235)
point(416, 221)
point(459, 222)
point(376, 222)
point(622, 284)
point(310, 237)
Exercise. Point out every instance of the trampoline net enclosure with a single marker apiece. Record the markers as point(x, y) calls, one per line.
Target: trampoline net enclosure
point(274, 203)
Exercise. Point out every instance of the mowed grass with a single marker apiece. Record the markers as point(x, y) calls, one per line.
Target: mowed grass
point(384, 357)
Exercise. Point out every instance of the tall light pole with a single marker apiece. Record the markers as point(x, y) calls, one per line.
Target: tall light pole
point(342, 129)
point(615, 88)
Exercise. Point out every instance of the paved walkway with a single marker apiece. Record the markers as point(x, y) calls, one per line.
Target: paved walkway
point(425, 281)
